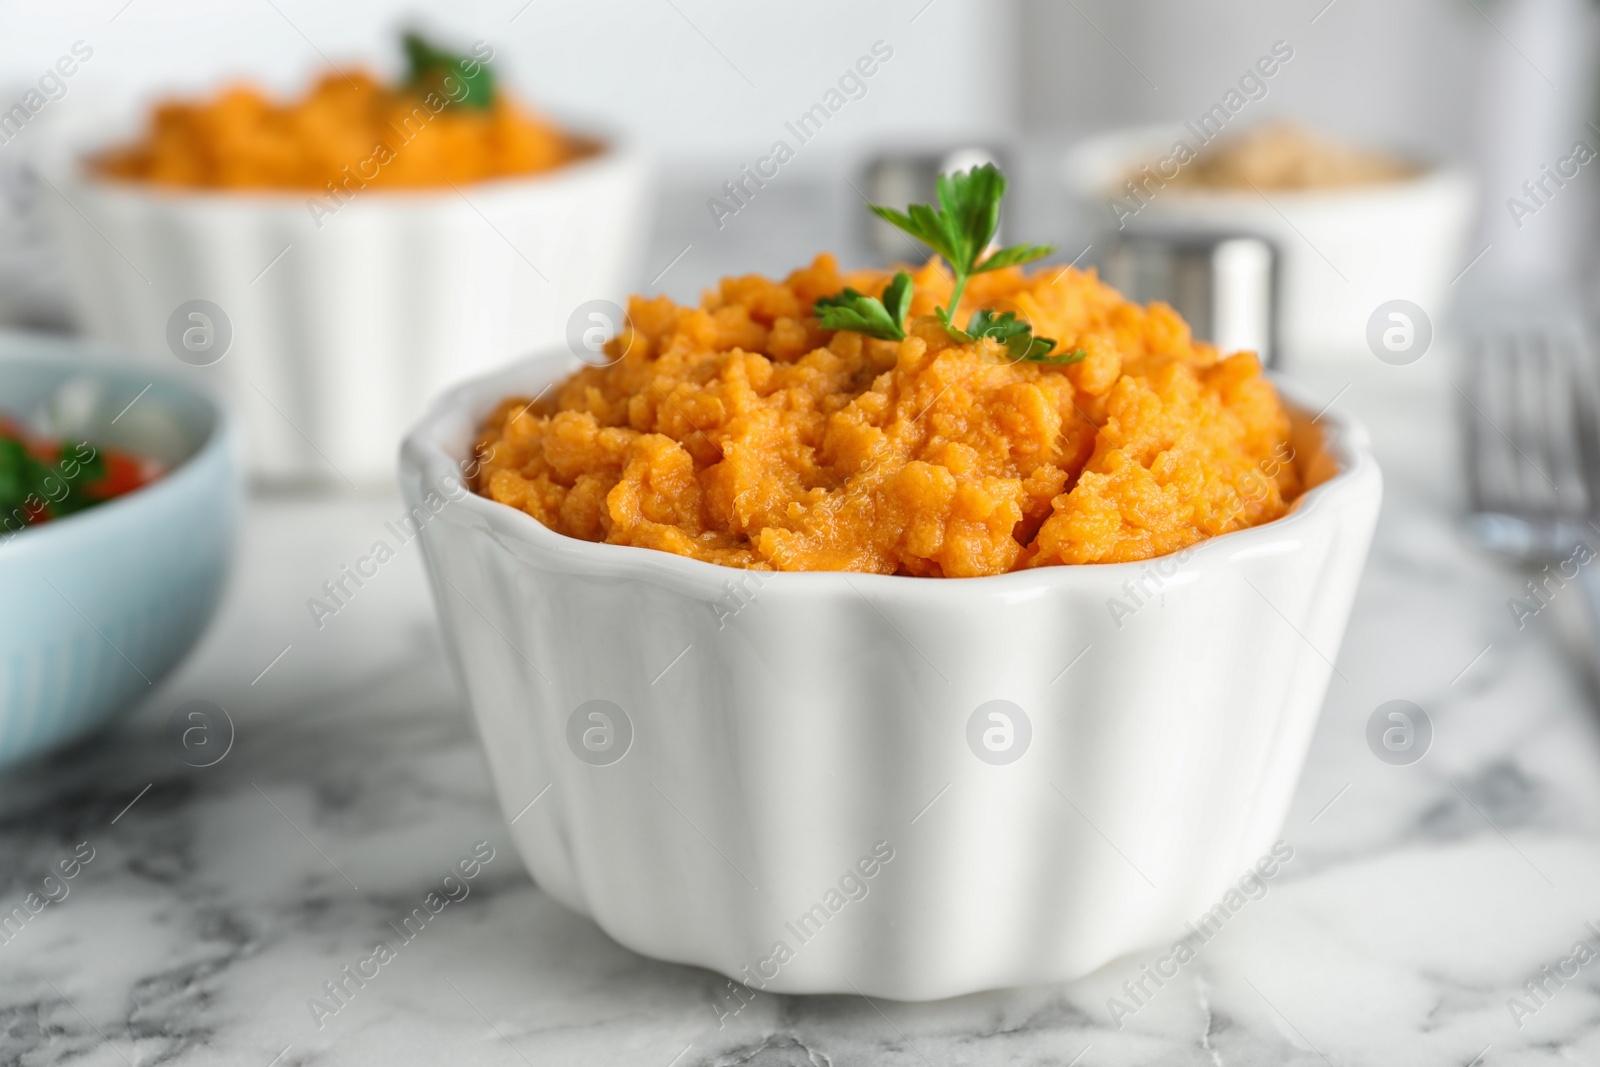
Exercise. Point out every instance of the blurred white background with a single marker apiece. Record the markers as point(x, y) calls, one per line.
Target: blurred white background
point(690, 78)
point(1505, 84)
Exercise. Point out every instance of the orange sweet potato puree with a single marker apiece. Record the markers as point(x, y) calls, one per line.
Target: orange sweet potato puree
point(741, 433)
point(352, 132)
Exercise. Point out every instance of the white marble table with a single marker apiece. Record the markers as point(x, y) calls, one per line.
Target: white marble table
point(219, 900)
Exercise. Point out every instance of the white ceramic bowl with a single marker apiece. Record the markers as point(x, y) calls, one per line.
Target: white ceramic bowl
point(773, 731)
point(344, 325)
point(1344, 252)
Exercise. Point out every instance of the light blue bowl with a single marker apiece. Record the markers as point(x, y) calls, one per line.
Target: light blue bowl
point(97, 608)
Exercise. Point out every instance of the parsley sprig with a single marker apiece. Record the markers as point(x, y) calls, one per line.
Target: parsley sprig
point(959, 229)
point(432, 65)
point(1016, 335)
point(885, 318)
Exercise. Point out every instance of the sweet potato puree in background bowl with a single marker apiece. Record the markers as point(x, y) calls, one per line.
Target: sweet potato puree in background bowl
point(350, 128)
point(333, 259)
point(741, 432)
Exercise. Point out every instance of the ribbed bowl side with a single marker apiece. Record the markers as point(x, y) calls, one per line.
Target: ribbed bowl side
point(55, 690)
point(107, 602)
point(775, 747)
point(344, 324)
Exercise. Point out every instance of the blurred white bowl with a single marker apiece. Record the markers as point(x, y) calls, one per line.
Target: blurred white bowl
point(1343, 252)
point(343, 325)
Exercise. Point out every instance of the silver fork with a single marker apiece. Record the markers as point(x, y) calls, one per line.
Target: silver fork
point(1532, 422)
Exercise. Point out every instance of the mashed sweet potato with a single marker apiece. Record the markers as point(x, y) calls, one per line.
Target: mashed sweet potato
point(350, 132)
point(742, 433)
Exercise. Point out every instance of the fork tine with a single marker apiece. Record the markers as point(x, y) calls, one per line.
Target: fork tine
point(1476, 420)
point(1536, 489)
point(1533, 440)
point(1559, 437)
point(1502, 413)
point(1586, 422)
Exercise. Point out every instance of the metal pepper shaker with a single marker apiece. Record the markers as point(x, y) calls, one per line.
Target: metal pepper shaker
point(1225, 285)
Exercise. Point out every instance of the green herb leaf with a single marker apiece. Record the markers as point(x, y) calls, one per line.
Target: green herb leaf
point(884, 318)
point(461, 79)
point(923, 223)
point(1013, 256)
point(970, 204)
point(1065, 359)
point(897, 299)
point(965, 221)
point(1001, 325)
point(1017, 336)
